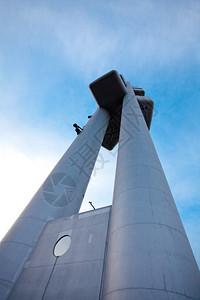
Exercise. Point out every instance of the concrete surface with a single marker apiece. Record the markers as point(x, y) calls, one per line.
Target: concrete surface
point(149, 256)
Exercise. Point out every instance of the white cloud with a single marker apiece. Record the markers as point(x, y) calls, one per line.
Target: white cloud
point(181, 160)
point(100, 188)
point(22, 173)
point(20, 176)
point(148, 32)
point(27, 156)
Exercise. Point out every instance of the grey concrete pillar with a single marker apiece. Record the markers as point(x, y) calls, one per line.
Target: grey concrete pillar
point(149, 256)
point(60, 196)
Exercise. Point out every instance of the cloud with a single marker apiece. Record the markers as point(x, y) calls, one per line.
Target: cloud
point(20, 176)
point(23, 172)
point(73, 34)
point(148, 32)
point(100, 187)
point(181, 159)
point(27, 155)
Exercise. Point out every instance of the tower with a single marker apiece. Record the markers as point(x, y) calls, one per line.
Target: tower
point(135, 249)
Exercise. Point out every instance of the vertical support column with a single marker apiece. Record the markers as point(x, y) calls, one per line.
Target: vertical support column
point(149, 255)
point(60, 196)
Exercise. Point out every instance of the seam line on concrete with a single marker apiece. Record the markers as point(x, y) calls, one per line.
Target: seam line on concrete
point(6, 281)
point(105, 257)
point(49, 233)
point(145, 187)
point(17, 243)
point(172, 209)
point(46, 287)
point(140, 165)
point(150, 200)
point(154, 289)
point(64, 263)
point(33, 218)
point(139, 223)
point(76, 216)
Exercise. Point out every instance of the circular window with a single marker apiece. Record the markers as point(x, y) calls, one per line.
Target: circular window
point(62, 245)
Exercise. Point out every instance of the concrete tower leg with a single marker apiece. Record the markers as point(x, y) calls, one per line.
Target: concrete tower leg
point(60, 196)
point(149, 256)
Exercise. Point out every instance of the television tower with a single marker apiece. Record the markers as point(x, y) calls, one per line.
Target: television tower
point(135, 249)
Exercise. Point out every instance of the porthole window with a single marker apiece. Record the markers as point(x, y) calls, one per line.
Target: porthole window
point(62, 245)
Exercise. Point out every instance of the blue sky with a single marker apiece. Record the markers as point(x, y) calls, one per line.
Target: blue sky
point(49, 53)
